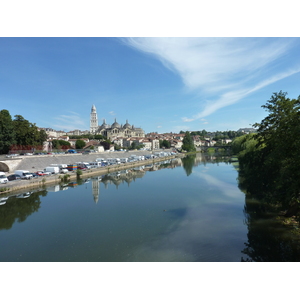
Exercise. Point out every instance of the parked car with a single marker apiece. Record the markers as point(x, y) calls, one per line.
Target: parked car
point(71, 151)
point(3, 178)
point(34, 175)
point(82, 168)
point(14, 177)
point(24, 174)
point(52, 170)
point(40, 173)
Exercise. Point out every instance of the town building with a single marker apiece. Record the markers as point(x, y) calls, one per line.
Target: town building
point(115, 130)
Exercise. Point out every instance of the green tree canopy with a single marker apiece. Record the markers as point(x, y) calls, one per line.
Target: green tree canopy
point(60, 144)
point(79, 144)
point(19, 133)
point(7, 133)
point(271, 163)
point(165, 144)
point(27, 133)
point(187, 143)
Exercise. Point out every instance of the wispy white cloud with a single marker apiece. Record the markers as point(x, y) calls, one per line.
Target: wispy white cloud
point(112, 113)
point(69, 122)
point(224, 70)
point(184, 119)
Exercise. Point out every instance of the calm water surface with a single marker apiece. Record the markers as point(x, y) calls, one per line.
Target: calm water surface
point(187, 210)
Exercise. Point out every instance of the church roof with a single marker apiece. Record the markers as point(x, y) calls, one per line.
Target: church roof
point(127, 125)
point(115, 124)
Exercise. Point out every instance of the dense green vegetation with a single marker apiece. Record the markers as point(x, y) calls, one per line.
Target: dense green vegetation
point(88, 136)
point(60, 144)
point(164, 144)
point(187, 143)
point(79, 144)
point(218, 135)
point(269, 160)
point(19, 133)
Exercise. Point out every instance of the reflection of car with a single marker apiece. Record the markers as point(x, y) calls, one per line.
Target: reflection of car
point(13, 177)
point(24, 195)
point(3, 200)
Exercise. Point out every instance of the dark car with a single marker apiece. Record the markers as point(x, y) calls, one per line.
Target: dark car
point(13, 177)
point(34, 174)
point(81, 168)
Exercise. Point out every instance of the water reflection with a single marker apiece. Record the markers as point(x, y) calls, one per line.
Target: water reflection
point(18, 207)
point(188, 163)
point(191, 211)
point(268, 240)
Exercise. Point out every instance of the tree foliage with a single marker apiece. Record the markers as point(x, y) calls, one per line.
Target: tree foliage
point(187, 143)
point(269, 160)
point(79, 144)
point(164, 144)
point(7, 133)
point(19, 133)
point(60, 144)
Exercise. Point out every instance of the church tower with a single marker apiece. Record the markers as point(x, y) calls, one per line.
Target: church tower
point(93, 120)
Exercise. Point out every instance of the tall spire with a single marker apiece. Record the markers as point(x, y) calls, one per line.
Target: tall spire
point(93, 120)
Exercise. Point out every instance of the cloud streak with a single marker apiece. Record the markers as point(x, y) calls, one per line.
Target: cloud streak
point(69, 122)
point(223, 70)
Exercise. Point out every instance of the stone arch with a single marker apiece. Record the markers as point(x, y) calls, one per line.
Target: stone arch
point(4, 167)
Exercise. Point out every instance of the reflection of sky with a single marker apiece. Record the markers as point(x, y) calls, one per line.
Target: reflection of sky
point(201, 235)
point(209, 229)
point(163, 216)
point(228, 189)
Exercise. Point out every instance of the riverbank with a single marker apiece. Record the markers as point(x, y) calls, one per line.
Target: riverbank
point(43, 181)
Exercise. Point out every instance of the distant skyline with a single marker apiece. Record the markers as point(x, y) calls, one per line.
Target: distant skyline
point(158, 84)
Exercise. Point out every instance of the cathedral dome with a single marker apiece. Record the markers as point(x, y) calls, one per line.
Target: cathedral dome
point(126, 125)
point(115, 124)
point(104, 125)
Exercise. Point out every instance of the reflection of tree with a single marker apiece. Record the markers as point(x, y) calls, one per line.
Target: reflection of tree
point(18, 209)
point(268, 240)
point(188, 163)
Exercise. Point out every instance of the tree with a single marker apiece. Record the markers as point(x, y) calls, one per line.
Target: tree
point(272, 167)
point(133, 146)
point(187, 143)
point(42, 137)
point(106, 145)
point(60, 144)
point(7, 132)
point(79, 144)
point(165, 144)
point(27, 134)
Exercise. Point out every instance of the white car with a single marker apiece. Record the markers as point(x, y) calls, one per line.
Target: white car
point(3, 178)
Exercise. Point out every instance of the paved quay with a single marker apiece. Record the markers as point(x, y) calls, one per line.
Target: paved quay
point(36, 163)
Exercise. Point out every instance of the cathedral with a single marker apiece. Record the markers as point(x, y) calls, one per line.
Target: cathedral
point(113, 130)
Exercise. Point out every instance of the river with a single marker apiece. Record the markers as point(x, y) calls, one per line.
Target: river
point(185, 210)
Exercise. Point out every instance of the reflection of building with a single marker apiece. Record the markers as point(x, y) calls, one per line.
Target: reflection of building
point(114, 130)
point(95, 189)
point(117, 178)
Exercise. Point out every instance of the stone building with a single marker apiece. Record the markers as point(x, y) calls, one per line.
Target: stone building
point(114, 130)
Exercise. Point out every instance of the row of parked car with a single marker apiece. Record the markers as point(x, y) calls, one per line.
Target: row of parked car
point(64, 168)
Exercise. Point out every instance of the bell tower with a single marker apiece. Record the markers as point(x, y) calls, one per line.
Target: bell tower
point(93, 120)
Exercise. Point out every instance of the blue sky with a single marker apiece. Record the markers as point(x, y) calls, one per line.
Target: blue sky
point(159, 84)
